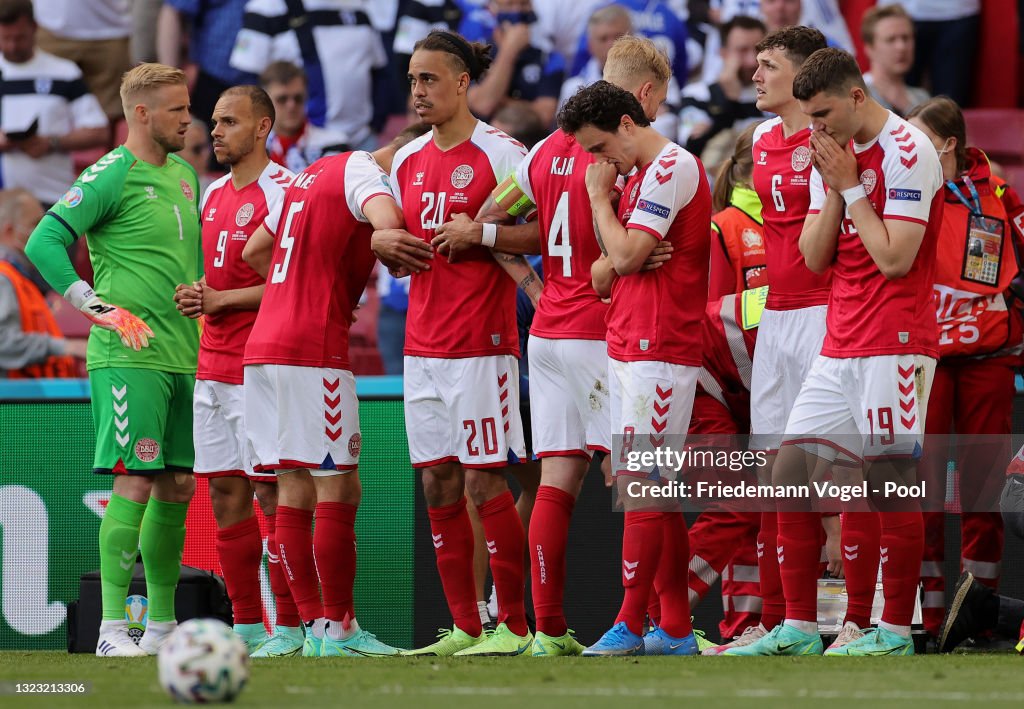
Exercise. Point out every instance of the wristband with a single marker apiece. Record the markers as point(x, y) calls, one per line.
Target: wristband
point(852, 194)
point(490, 235)
point(79, 293)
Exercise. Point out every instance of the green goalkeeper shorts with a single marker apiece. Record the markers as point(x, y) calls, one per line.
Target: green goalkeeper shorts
point(143, 420)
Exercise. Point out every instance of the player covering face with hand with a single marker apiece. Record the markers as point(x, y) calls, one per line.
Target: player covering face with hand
point(654, 342)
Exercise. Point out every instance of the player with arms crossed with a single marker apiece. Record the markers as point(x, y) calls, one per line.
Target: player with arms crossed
point(793, 324)
point(139, 205)
point(876, 210)
point(461, 373)
point(569, 374)
point(301, 410)
point(229, 296)
point(654, 338)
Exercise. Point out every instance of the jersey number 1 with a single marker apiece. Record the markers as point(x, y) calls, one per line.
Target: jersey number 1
point(560, 228)
point(287, 243)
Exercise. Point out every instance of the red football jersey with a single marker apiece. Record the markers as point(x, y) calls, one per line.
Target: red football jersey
point(553, 177)
point(466, 308)
point(656, 315)
point(320, 266)
point(782, 171)
point(867, 313)
point(230, 217)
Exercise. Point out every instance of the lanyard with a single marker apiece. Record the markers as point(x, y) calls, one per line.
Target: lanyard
point(974, 206)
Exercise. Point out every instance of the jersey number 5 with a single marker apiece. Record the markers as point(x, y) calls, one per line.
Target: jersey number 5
point(287, 243)
point(559, 245)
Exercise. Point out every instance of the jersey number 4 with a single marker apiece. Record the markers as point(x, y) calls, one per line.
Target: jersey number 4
point(287, 243)
point(558, 236)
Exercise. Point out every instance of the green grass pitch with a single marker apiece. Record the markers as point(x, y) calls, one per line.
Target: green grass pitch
point(496, 683)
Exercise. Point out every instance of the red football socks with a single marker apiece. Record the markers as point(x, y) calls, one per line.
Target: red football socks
point(800, 542)
point(902, 548)
point(240, 550)
point(334, 546)
point(549, 534)
point(860, 540)
point(773, 603)
point(503, 531)
point(642, 540)
point(295, 547)
point(671, 577)
point(287, 613)
point(452, 535)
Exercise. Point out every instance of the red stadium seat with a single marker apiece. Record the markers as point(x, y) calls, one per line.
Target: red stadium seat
point(997, 131)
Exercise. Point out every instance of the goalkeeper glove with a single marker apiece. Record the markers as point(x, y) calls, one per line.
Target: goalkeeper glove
point(134, 333)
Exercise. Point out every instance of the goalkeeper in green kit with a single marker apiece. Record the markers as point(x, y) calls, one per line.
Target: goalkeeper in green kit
point(139, 206)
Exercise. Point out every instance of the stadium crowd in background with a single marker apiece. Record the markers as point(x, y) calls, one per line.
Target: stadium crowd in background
point(679, 166)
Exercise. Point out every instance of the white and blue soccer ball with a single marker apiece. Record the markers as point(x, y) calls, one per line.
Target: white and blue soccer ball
point(203, 661)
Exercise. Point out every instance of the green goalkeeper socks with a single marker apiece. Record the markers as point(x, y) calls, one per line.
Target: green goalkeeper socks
point(162, 541)
point(119, 546)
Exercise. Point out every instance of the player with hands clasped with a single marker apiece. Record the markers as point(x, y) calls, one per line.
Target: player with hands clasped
point(654, 341)
point(876, 210)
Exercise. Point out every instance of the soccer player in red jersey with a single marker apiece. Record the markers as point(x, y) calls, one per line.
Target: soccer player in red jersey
point(228, 296)
point(301, 409)
point(568, 369)
point(793, 325)
point(654, 339)
point(461, 373)
point(876, 211)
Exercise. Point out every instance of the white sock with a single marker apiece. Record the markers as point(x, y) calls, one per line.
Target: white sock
point(804, 626)
point(481, 608)
point(903, 630)
point(336, 629)
point(110, 625)
point(317, 627)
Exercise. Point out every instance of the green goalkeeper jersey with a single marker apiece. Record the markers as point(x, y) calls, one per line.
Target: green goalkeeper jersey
point(142, 223)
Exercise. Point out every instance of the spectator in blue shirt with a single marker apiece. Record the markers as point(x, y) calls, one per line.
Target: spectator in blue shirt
point(211, 28)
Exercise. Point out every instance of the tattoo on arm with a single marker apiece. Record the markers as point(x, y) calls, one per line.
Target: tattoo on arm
point(600, 241)
point(528, 280)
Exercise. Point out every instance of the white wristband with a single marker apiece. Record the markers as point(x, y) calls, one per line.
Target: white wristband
point(852, 194)
point(490, 235)
point(78, 294)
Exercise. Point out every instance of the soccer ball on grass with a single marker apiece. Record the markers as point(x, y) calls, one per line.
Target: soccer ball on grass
point(203, 661)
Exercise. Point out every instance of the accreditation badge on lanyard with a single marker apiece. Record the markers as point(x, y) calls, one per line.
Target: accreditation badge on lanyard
point(983, 247)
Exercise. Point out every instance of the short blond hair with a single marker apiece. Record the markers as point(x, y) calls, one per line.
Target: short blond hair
point(146, 77)
point(633, 60)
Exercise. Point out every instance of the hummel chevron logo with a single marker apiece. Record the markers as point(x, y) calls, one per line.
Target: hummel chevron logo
point(909, 162)
point(760, 549)
point(120, 406)
point(662, 178)
point(127, 559)
point(659, 409)
point(503, 379)
point(780, 554)
point(438, 541)
point(492, 547)
point(851, 552)
point(629, 569)
point(884, 554)
point(331, 386)
point(663, 394)
point(906, 389)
